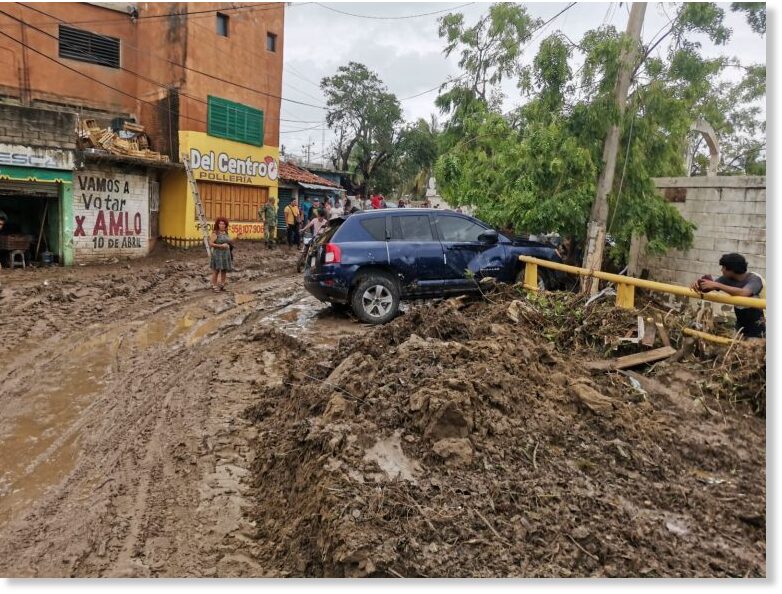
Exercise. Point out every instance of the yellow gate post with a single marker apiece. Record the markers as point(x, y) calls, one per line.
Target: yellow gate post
point(625, 296)
point(531, 276)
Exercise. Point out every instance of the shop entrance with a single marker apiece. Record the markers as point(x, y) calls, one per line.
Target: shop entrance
point(32, 211)
point(234, 202)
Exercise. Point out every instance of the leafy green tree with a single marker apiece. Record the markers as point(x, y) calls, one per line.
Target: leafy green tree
point(367, 121)
point(536, 168)
point(755, 13)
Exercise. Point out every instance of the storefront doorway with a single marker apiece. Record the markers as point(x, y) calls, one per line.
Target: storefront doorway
point(32, 210)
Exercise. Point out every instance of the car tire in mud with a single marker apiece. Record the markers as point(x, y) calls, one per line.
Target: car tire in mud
point(375, 298)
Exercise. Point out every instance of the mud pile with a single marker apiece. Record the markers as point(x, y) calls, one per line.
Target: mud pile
point(458, 441)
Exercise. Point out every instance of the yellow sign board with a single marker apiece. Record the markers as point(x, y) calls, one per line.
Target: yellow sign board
point(225, 161)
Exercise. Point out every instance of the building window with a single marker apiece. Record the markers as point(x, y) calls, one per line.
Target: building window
point(271, 42)
point(234, 121)
point(88, 47)
point(222, 24)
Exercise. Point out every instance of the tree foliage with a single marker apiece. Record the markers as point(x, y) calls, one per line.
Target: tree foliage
point(367, 120)
point(755, 13)
point(536, 167)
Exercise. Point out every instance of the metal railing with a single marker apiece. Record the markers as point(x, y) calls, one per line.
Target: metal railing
point(625, 285)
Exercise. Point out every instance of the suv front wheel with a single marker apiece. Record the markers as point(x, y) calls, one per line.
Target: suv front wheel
point(375, 299)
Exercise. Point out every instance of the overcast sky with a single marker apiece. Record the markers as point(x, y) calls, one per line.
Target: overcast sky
point(407, 52)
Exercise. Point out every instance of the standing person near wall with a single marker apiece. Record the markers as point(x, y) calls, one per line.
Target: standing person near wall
point(736, 281)
point(268, 215)
point(292, 221)
point(221, 262)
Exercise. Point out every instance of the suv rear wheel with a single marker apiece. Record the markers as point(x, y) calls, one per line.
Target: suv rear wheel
point(375, 299)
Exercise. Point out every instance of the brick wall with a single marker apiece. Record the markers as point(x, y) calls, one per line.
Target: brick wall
point(31, 126)
point(730, 213)
point(111, 212)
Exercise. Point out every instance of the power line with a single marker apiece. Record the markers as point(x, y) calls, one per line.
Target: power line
point(571, 5)
point(108, 86)
point(260, 7)
point(217, 78)
point(391, 18)
point(317, 127)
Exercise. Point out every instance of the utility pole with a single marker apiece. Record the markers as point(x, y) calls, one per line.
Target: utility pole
point(306, 148)
point(596, 232)
point(323, 147)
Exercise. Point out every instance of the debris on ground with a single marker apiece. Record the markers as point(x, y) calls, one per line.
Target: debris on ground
point(470, 439)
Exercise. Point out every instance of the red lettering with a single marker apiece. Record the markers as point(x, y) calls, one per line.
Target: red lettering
point(137, 223)
point(115, 225)
point(100, 224)
point(79, 226)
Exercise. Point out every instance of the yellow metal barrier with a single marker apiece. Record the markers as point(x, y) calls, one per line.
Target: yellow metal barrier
point(625, 294)
point(708, 336)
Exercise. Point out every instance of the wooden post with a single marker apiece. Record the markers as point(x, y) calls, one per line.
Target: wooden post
point(593, 255)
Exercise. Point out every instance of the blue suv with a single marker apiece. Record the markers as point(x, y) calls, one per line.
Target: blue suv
point(372, 260)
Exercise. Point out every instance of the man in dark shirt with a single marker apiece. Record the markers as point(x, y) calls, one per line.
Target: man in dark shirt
point(735, 280)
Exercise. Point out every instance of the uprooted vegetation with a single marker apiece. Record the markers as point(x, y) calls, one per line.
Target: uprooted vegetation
point(469, 439)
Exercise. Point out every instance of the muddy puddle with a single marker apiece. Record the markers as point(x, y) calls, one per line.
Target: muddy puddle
point(41, 437)
point(314, 322)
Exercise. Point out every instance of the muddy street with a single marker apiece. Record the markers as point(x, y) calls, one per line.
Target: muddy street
point(123, 388)
point(155, 428)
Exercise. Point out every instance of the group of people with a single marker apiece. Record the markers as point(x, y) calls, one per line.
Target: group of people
point(314, 215)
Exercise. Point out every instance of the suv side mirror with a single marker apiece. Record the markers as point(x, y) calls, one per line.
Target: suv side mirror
point(489, 236)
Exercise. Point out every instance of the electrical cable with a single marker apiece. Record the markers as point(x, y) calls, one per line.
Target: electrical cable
point(392, 18)
point(100, 82)
point(571, 5)
point(260, 7)
point(217, 78)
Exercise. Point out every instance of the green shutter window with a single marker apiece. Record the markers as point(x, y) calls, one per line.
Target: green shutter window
point(234, 121)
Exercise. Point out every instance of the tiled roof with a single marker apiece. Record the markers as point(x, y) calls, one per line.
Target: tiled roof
point(294, 173)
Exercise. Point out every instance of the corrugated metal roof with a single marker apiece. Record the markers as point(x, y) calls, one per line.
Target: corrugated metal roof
point(318, 187)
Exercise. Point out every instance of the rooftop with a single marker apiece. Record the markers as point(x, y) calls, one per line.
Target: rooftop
point(294, 173)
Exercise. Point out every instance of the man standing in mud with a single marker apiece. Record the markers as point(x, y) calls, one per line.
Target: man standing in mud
point(736, 281)
point(292, 221)
point(268, 214)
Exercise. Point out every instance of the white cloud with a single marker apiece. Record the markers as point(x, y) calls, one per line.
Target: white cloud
point(407, 53)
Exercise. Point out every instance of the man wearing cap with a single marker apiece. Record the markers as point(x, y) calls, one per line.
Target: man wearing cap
point(736, 281)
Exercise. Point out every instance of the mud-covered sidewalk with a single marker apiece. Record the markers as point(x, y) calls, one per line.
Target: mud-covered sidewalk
point(155, 428)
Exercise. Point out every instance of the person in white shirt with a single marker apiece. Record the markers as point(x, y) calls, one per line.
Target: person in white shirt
point(317, 224)
point(337, 210)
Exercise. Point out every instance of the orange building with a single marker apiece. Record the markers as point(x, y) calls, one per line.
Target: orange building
point(200, 77)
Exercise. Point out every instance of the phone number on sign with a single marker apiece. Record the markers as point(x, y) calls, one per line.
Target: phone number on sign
point(237, 228)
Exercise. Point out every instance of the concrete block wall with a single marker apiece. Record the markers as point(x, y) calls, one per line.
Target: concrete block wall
point(111, 214)
point(730, 213)
point(32, 126)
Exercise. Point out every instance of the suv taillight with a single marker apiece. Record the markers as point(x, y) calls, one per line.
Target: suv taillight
point(333, 254)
